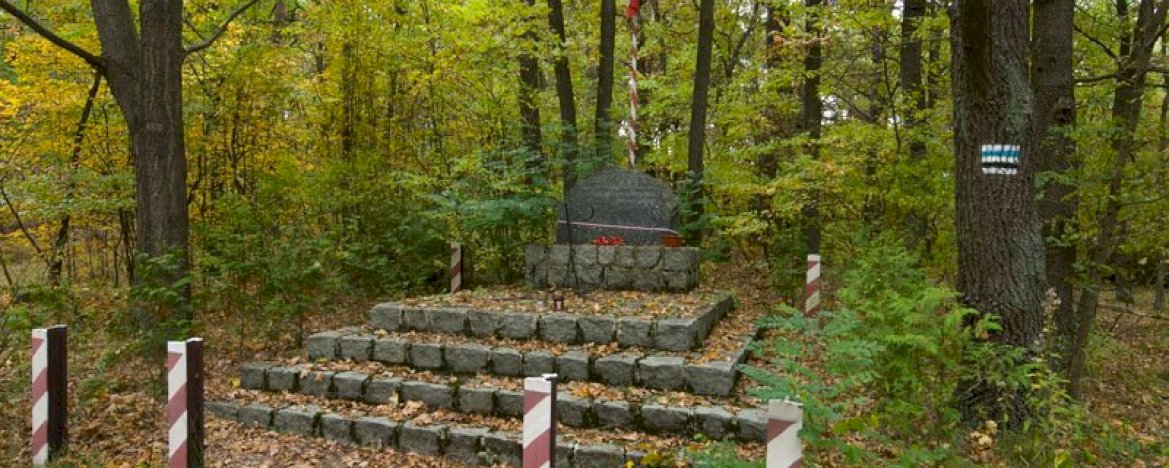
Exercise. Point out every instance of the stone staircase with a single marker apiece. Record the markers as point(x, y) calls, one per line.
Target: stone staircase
point(448, 381)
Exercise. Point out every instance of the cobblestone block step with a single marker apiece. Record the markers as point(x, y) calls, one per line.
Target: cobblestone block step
point(670, 334)
point(478, 446)
point(628, 368)
point(712, 421)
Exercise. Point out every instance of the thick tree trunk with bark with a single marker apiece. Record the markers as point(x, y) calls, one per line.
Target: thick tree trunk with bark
point(565, 94)
point(1000, 249)
point(1054, 89)
point(811, 114)
point(698, 103)
point(529, 89)
point(602, 128)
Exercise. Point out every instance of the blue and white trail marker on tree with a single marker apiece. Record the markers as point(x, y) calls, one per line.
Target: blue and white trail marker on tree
point(1000, 159)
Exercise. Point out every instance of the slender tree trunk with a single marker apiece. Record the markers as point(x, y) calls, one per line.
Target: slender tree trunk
point(1055, 111)
point(1159, 288)
point(57, 262)
point(811, 114)
point(1126, 111)
point(1000, 248)
point(698, 103)
point(529, 91)
point(783, 124)
point(910, 80)
point(602, 123)
point(566, 96)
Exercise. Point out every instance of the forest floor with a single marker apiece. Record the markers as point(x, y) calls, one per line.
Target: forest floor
point(116, 411)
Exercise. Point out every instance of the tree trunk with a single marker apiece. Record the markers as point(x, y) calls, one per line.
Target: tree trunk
point(1132, 71)
point(910, 81)
point(568, 143)
point(1000, 249)
point(781, 124)
point(57, 263)
point(811, 114)
point(145, 77)
point(1055, 111)
point(529, 90)
point(602, 123)
point(697, 140)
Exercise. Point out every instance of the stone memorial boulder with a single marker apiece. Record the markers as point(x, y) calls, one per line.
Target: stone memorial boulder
point(614, 201)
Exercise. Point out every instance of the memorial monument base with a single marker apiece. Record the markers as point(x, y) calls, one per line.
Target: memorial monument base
point(613, 268)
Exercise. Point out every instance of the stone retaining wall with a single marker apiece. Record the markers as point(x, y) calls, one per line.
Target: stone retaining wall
point(673, 334)
point(614, 268)
point(622, 369)
point(711, 421)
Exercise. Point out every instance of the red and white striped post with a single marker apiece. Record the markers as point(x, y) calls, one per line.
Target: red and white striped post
point(49, 385)
point(456, 267)
point(184, 405)
point(812, 287)
point(631, 15)
point(540, 421)
point(784, 421)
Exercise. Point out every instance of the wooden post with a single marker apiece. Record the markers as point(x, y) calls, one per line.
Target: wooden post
point(184, 407)
point(812, 287)
point(784, 421)
point(539, 438)
point(49, 392)
point(456, 267)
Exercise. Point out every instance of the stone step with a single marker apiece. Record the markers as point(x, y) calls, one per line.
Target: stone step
point(670, 334)
point(631, 367)
point(486, 441)
point(504, 399)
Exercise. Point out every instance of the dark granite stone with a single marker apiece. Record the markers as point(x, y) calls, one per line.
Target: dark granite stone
point(297, 420)
point(337, 427)
point(714, 422)
point(376, 431)
point(224, 409)
point(616, 369)
point(613, 414)
point(319, 383)
point(383, 390)
point(599, 456)
point(386, 316)
point(598, 329)
point(252, 375)
point(509, 403)
point(503, 448)
point(350, 385)
point(426, 355)
point(464, 444)
point(424, 440)
point(356, 347)
point(448, 320)
point(619, 197)
point(507, 361)
point(433, 394)
point(537, 363)
point(283, 378)
point(256, 415)
point(476, 400)
point(467, 358)
point(391, 351)
point(664, 372)
point(573, 365)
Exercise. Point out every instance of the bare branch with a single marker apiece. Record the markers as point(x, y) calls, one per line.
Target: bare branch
point(222, 28)
point(1094, 79)
point(1105, 47)
point(91, 59)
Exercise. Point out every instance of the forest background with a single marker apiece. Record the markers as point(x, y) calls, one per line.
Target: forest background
point(334, 148)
